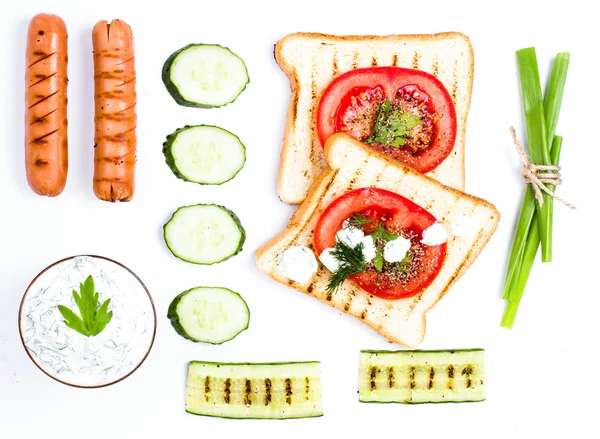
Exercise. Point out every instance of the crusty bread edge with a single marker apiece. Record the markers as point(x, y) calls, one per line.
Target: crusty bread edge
point(311, 202)
point(290, 72)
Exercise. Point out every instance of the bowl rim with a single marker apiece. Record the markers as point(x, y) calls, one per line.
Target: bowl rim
point(81, 386)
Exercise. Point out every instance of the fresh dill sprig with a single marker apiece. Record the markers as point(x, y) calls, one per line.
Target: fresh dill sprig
point(351, 261)
point(358, 221)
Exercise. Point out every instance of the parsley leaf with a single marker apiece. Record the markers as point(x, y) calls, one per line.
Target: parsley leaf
point(402, 268)
point(381, 234)
point(378, 259)
point(393, 127)
point(358, 221)
point(351, 261)
point(381, 237)
point(93, 320)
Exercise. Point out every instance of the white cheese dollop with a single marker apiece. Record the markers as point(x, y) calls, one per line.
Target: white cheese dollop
point(350, 235)
point(395, 251)
point(330, 261)
point(368, 248)
point(298, 263)
point(434, 235)
point(464, 225)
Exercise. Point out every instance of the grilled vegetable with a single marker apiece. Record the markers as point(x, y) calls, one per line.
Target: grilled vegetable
point(205, 76)
point(209, 314)
point(254, 390)
point(421, 376)
point(204, 154)
point(204, 234)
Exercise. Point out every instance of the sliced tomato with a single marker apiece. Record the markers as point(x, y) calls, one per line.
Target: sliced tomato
point(399, 216)
point(352, 102)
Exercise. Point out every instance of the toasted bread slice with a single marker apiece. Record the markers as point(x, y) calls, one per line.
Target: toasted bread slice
point(353, 165)
point(311, 61)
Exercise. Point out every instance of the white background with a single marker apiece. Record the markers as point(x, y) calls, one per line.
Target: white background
point(542, 377)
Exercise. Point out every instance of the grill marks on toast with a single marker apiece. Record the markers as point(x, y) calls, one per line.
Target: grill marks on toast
point(451, 208)
point(355, 60)
point(295, 97)
point(454, 91)
point(354, 178)
point(459, 269)
point(415, 60)
point(334, 64)
point(312, 116)
point(348, 302)
point(435, 70)
point(378, 178)
point(374, 62)
point(395, 60)
point(313, 87)
point(296, 237)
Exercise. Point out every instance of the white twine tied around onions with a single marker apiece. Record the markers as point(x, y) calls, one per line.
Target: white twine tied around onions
point(538, 176)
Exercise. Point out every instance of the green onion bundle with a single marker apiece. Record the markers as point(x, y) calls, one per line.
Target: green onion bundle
point(535, 221)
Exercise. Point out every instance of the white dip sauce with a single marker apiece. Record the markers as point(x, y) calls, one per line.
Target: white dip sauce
point(70, 356)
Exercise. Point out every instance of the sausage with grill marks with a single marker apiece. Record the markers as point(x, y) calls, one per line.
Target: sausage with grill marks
point(115, 115)
point(46, 141)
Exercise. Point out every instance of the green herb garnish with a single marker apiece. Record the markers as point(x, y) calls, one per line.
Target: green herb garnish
point(381, 234)
point(358, 221)
point(402, 268)
point(380, 238)
point(393, 127)
point(92, 320)
point(351, 261)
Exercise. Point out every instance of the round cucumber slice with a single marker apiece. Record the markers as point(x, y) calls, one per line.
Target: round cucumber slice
point(204, 234)
point(204, 154)
point(209, 314)
point(205, 76)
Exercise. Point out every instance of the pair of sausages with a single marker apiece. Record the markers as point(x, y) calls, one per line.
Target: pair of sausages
point(46, 138)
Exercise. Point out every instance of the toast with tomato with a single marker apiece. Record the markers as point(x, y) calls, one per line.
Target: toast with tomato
point(344, 83)
point(399, 240)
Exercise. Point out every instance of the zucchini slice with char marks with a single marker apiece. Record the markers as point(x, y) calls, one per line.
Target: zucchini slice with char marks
point(420, 376)
point(254, 390)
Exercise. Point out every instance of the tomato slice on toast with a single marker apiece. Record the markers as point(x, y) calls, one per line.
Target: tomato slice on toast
point(405, 113)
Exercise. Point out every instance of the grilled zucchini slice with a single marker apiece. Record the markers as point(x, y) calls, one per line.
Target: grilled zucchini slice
point(420, 376)
point(254, 390)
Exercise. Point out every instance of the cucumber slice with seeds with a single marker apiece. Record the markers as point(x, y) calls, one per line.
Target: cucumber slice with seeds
point(209, 314)
point(204, 154)
point(254, 390)
point(204, 234)
point(205, 76)
point(422, 376)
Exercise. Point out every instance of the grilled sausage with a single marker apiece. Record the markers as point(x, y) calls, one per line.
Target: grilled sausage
point(46, 142)
point(115, 116)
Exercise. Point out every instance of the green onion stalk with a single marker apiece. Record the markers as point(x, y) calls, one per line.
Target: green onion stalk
point(535, 222)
